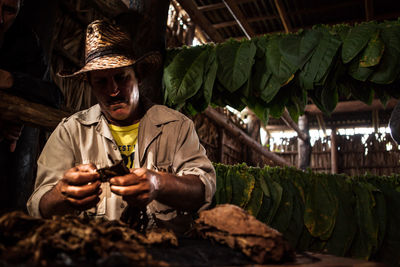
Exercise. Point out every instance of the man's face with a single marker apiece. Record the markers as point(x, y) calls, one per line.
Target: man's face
point(117, 92)
point(8, 12)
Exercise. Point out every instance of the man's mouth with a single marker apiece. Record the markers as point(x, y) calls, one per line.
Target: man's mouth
point(116, 101)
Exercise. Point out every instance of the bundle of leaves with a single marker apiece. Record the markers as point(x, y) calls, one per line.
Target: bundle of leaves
point(271, 72)
point(341, 215)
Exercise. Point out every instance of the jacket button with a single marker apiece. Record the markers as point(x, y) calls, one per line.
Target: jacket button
point(115, 147)
point(122, 205)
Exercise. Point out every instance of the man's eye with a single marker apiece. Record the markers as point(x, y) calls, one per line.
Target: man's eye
point(120, 78)
point(100, 81)
point(9, 9)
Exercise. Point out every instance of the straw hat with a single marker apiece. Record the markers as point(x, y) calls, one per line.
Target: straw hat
point(109, 47)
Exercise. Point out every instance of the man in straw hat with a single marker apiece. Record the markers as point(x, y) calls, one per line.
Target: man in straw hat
point(169, 175)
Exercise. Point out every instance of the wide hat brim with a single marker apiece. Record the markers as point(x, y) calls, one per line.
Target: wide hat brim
point(151, 59)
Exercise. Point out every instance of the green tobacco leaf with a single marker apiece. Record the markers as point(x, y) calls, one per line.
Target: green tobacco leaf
point(356, 40)
point(284, 213)
point(271, 89)
point(184, 76)
point(221, 174)
point(374, 51)
point(235, 60)
point(242, 185)
point(367, 236)
point(322, 59)
point(320, 209)
point(389, 67)
point(202, 99)
point(267, 196)
point(260, 72)
point(297, 49)
point(345, 228)
point(255, 202)
point(282, 69)
point(357, 71)
point(276, 196)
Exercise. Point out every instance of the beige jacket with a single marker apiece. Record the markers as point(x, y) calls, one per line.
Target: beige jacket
point(167, 141)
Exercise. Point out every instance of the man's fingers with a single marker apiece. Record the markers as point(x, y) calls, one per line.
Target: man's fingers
point(85, 203)
point(86, 167)
point(80, 192)
point(132, 190)
point(74, 177)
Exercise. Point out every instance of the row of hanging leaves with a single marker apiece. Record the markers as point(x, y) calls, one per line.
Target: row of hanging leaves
point(341, 215)
point(275, 71)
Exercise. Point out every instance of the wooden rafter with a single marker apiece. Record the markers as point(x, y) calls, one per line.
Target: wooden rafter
point(219, 5)
point(250, 20)
point(199, 19)
point(353, 106)
point(369, 9)
point(283, 16)
point(237, 14)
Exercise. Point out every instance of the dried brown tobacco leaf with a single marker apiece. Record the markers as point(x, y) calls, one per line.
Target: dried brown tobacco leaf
point(233, 226)
point(79, 239)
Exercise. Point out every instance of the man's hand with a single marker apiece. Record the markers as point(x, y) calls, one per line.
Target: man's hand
point(79, 189)
point(10, 131)
point(6, 79)
point(138, 188)
point(81, 186)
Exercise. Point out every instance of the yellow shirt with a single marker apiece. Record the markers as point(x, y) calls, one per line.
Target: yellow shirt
point(126, 138)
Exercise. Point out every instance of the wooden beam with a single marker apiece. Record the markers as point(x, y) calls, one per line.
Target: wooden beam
point(353, 106)
point(283, 16)
point(237, 14)
point(199, 19)
point(369, 10)
point(289, 122)
point(18, 109)
point(249, 20)
point(223, 121)
point(219, 5)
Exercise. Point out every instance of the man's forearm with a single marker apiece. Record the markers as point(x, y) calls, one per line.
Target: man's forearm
point(53, 203)
point(181, 192)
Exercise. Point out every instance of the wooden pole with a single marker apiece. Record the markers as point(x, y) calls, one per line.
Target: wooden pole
point(289, 122)
point(17, 109)
point(223, 121)
point(303, 146)
point(334, 152)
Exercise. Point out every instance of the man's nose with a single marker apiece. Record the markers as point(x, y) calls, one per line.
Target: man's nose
point(113, 89)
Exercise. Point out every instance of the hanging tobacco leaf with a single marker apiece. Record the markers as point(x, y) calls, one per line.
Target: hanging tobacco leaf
point(242, 185)
point(235, 60)
point(298, 48)
point(184, 76)
point(322, 59)
point(345, 227)
point(356, 40)
point(320, 209)
point(359, 72)
point(255, 201)
point(282, 70)
point(388, 69)
point(374, 51)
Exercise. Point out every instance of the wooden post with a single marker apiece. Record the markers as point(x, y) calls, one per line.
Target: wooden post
point(303, 146)
point(334, 152)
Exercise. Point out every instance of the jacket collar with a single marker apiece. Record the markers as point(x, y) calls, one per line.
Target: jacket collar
point(156, 115)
